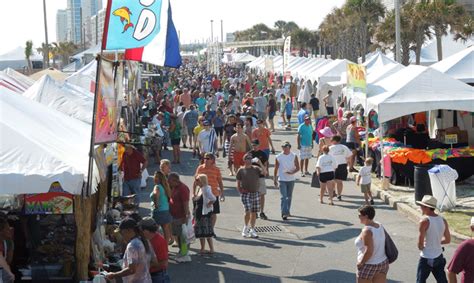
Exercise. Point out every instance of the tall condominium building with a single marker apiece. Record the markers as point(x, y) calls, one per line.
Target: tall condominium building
point(97, 27)
point(61, 25)
point(79, 13)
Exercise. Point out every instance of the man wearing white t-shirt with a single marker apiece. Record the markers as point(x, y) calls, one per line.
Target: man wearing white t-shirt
point(342, 154)
point(207, 139)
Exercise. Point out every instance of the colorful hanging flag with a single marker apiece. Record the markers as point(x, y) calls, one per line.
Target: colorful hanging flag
point(145, 29)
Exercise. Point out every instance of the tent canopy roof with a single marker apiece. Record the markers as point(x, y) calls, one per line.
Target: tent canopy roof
point(54, 73)
point(415, 89)
point(69, 99)
point(459, 66)
point(43, 146)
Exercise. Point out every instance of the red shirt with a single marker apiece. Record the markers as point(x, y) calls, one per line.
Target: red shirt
point(131, 165)
point(216, 84)
point(463, 260)
point(179, 199)
point(160, 247)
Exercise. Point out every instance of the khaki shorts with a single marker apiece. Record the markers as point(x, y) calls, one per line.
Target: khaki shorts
point(365, 188)
point(262, 188)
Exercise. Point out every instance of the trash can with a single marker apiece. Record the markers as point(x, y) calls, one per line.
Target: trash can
point(422, 181)
point(443, 184)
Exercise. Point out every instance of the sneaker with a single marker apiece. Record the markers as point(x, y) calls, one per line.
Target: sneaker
point(245, 232)
point(353, 170)
point(372, 202)
point(183, 258)
point(253, 234)
point(302, 174)
point(263, 216)
point(339, 197)
point(307, 173)
point(284, 217)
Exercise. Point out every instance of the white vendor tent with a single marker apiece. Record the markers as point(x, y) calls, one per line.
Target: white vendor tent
point(238, 58)
point(69, 99)
point(459, 66)
point(307, 71)
point(85, 77)
point(257, 62)
point(25, 81)
point(56, 74)
point(15, 59)
point(43, 146)
point(416, 89)
point(377, 60)
point(10, 83)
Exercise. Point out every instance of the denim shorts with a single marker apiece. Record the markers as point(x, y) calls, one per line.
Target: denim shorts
point(162, 217)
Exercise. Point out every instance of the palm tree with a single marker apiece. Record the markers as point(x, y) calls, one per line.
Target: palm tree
point(279, 28)
point(289, 28)
point(445, 13)
point(367, 14)
point(385, 34)
point(65, 50)
point(418, 15)
point(28, 53)
point(44, 50)
point(301, 38)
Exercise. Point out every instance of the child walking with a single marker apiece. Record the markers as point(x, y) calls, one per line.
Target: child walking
point(364, 179)
point(203, 206)
point(288, 110)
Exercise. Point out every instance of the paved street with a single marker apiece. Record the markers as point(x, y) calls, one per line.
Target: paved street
point(315, 245)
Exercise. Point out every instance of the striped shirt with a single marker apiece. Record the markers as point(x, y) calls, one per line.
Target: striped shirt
point(214, 177)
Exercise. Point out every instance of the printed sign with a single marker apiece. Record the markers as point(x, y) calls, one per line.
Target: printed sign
point(356, 76)
point(49, 203)
point(451, 139)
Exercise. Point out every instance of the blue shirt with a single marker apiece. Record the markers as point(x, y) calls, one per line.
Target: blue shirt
point(288, 108)
point(201, 102)
point(306, 134)
point(301, 115)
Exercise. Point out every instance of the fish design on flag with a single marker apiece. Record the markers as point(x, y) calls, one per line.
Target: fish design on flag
point(124, 14)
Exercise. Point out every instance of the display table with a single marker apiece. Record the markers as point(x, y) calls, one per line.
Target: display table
point(404, 159)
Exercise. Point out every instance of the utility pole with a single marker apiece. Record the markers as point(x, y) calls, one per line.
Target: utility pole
point(398, 57)
point(46, 51)
point(222, 31)
point(212, 30)
point(97, 28)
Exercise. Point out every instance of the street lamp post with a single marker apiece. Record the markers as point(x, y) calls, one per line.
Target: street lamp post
point(397, 32)
point(212, 30)
point(222, 31)
point(46, 47)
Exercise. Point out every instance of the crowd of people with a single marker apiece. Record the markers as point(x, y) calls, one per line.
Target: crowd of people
point(232, 116)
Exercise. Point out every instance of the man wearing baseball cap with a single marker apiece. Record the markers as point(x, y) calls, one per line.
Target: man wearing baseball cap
point(463, 261)
point(434, 232)
point(207, 139)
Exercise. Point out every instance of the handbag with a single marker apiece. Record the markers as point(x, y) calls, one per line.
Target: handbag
point(391, 250)
point(315, 181)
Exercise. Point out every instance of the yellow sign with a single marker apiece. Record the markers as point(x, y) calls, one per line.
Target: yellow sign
point(451, 139)
point(356, 76)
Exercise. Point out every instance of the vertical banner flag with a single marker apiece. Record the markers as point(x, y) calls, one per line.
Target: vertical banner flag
point(286, 53)
point(356, 78)
point(106, 114)
point(145, 29)
point(268, 65)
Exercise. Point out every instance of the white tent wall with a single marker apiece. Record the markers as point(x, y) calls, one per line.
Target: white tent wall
point(43, 146)
point(10, 83)
point(69, 99)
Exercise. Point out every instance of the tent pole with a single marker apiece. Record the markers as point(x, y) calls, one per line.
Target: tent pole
point(382, 169)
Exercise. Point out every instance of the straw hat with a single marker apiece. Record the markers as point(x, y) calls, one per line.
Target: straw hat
point(326, 132)
point(428, 201)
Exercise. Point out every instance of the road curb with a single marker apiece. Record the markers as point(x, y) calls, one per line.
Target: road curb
point(406, 209)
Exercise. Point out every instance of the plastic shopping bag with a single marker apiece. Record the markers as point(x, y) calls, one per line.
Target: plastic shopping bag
point(145, 176)
point(188, 231)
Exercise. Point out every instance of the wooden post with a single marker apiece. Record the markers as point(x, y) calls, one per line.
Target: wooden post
point(83, 216)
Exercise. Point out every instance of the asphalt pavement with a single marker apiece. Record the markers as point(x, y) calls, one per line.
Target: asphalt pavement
point(316, 244)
